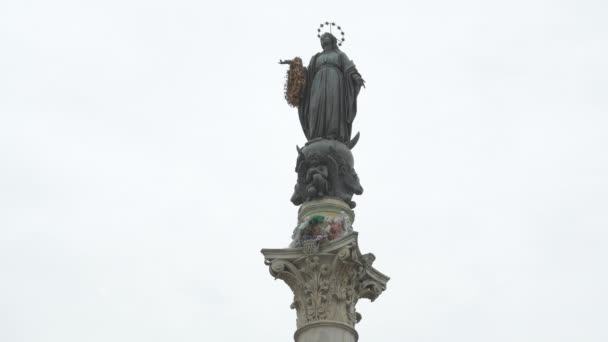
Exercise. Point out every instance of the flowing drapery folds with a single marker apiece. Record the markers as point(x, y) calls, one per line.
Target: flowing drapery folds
point(329, 102)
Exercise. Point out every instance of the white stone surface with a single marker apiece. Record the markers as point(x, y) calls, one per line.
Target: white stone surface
point(327, 284)
point(326, 332)
point(329, 207)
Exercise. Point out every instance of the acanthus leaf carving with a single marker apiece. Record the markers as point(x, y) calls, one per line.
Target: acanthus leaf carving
point(328, 284)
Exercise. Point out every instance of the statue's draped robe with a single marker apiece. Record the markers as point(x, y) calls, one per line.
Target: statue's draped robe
point(329, 102)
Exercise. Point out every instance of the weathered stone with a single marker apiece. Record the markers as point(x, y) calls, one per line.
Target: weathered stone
point(326, 331)
point(328, 207)
point(328, 283)
point(321, 220)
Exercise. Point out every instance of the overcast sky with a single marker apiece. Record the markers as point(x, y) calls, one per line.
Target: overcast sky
point(147, 155)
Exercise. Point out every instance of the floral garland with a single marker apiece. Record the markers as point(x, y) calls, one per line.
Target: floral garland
point(295, 81)
point(319, 228)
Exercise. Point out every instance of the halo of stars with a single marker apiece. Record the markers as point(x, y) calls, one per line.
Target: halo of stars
point(331, 26)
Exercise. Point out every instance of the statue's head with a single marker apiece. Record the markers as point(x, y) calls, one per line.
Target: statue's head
point(329, 41)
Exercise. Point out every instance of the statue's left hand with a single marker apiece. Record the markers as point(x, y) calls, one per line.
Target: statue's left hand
point(360, 82)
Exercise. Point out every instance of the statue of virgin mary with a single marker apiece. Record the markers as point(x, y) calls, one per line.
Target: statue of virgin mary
point(327, 95)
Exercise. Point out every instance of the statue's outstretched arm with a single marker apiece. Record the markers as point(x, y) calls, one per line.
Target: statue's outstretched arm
point(287, 61)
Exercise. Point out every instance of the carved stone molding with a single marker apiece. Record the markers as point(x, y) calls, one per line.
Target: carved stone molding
point(327, 207)
point(327, 281)
point(326, 331)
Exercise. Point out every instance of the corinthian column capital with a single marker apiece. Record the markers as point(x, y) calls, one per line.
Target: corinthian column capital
point(327, 279)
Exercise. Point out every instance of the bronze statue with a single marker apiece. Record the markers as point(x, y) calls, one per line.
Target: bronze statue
point(327, 100)
point(325, 94)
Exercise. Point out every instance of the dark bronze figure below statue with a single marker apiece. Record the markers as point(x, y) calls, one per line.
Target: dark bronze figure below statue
point(326, 169)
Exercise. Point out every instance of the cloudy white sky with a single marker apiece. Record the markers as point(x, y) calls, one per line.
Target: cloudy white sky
point(147, 155)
